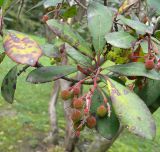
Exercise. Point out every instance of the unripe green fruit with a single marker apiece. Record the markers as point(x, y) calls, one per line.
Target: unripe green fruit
point(76, 115)
point(78, 103)
point(65, 94)
point(101, 111)
point(91, 122)
point(149, 64)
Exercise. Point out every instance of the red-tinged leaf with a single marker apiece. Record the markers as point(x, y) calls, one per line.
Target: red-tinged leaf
point(21, 48)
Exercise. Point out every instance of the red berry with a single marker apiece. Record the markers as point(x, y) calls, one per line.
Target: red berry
point(91, 122)
point(149, 64)
point(45, 18)
point(65, 94)
point(76, 115)
point(78, 103)
point(101, 111)
point(76, 90)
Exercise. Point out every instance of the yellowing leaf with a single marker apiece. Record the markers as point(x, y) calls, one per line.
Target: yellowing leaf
point(21, 48)
point(126, 4)
point(131, 110)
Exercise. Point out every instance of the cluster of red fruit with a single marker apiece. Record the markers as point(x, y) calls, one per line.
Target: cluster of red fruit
point(80, 116)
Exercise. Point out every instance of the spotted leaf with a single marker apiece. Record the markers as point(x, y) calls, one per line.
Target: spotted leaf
point(131, 110)
point(9, 85)
point(21, 48)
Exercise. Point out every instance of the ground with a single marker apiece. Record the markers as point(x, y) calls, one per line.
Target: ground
point(24, 125)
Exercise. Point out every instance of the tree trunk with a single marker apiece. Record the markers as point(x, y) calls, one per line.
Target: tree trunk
point(101, 144)
point(52, 112)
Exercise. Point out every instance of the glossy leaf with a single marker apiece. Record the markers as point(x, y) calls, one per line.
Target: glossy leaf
point(135, 69)
point(131, 110)
point(77, 56)
point(136, 25)
point(21, 48)
point(99, 16)
point(50, 73)
point(9, 85)
point(154, 4)
point(120, 39)
point(67, 34)
point(2, 55)
point(51, 3)
point(150, 92)
point(107, 126)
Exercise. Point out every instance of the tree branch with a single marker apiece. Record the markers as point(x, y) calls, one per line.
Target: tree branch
point(80, 4)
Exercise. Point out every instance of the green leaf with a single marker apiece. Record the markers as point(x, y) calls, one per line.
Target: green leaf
point(1, 2)
point(77, 56)
point(120, 39)
point(21, 48)
point(107, 126)
point(135, 69)
point(6, 5)
point(99, 24)
point(70, 12)
point(50, 73)
point(131, 110)
point(150, 92)
point(144, 46)
point(50, 50)
point(51, 3)
point(2, 55)
point(9, 85)
point(154, 4)
point(136, 25)
point(67, 34)
point(157, 34)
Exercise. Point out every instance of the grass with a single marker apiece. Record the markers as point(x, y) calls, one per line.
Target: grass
point(24, 124)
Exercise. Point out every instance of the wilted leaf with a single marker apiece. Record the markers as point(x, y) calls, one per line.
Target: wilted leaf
point(135, 69)
point(77, 56)
point(50, 73)
point(67, 34)
point(21, 48)
point(99, 24)
point(9, 85)
point(136, 25)
point(131, 110)
point(107, 126)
